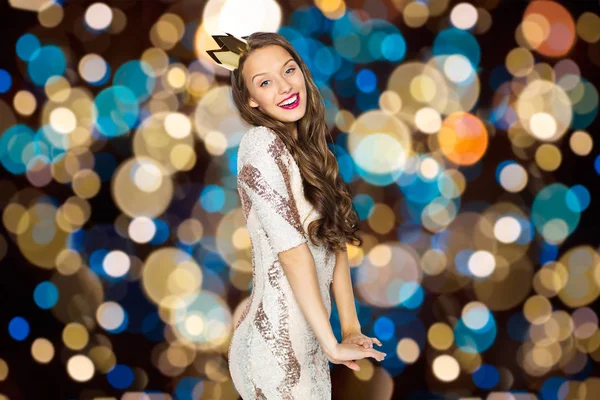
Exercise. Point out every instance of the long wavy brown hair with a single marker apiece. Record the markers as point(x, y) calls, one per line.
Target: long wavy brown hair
point(324, 187)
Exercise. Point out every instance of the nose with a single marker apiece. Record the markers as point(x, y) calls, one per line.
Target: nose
point(285, 86)
point(286, 89)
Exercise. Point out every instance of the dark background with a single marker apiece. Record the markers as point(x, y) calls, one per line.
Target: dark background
point(30, 380)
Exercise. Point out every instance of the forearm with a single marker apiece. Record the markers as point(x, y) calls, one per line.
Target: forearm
point(301, 273)
point(343, 293)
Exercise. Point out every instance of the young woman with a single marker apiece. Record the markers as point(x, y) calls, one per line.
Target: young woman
point(291, 191)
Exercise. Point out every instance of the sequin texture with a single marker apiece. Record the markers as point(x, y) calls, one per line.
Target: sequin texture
point(273, 352)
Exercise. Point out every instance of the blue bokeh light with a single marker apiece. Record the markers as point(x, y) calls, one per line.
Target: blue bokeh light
point(366, 80)
point(457, 41)
point(384, 328)
point(212, 198)
point(548, 252)
point(309, 21)
point(472, 340)
point(189, 388)
point(327, 61)
point(162, 232)
point(550, 205)
point(45, 63)
point(120, 377)
point(550, 388)
point(18, 328)
point(5, 81)
point(393, 47)
point(578, 198)
point(411, 295)
point(133, 75)
point(364, 204)
point(486, 376)
point(115, 110)
point(13, 143)
point(27, 46)
point(45, 295)
point(96, 260)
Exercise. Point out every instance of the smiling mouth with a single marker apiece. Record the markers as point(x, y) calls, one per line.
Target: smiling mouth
point(292, 101)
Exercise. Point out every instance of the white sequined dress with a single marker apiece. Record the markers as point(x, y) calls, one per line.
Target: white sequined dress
point(274, 353)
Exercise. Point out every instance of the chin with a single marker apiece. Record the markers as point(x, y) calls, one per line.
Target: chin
point(290, 115)
point(291, 119)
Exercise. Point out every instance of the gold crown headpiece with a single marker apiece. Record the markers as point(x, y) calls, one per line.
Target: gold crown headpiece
point(230, 51)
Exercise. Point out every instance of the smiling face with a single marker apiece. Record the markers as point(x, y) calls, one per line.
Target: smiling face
point(273, 77)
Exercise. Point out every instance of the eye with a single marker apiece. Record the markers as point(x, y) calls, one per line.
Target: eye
point(292, 68)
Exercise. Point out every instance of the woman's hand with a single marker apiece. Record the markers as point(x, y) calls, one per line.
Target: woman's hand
point(358, 338)
point(347, 353)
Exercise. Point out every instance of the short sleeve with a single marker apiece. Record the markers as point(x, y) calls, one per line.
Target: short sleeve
point(264, 181)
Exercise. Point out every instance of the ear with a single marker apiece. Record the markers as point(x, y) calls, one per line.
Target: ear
point(252, 103)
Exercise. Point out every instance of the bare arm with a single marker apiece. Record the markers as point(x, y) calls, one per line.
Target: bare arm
point(344, 296)
point(299, 267)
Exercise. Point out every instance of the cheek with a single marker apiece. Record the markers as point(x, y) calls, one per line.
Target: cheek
point(300, 80)
point(264, 98)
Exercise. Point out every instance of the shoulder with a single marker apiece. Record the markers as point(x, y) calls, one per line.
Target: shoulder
point(256, 140)
point(260, 133)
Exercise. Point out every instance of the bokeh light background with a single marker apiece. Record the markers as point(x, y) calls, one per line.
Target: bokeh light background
point(465, 131)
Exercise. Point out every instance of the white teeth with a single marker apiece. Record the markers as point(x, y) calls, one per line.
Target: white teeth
point(290, 101)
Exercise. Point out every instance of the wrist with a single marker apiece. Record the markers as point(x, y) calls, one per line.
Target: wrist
point(329, 345)
point(348, 329)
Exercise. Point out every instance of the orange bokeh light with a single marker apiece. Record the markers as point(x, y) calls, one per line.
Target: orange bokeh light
point(463, 138)
point(557, 25)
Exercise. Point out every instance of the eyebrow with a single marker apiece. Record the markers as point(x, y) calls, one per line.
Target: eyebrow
point(262, 73)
